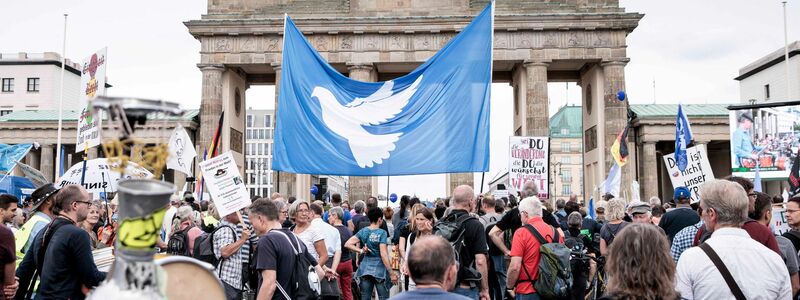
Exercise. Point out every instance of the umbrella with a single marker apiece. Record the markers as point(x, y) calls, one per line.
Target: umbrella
point(20, 187)
point(100, 175)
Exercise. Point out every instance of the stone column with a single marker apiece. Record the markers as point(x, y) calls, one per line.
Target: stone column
point(47, 161)
point(616, 117)
point(456, 179)
point(210, 106)
point(360, 187)
point(536, 102)
point(649, 172)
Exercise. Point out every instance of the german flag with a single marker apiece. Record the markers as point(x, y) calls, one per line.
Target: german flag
point(619, 150)
point(212, 151)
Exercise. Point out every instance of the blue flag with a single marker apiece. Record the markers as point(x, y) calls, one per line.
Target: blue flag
point(683, 136)
point(592, 213)
point(11, 154)
point(432, 120)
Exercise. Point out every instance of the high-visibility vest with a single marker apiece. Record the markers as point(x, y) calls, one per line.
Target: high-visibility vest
point(25, 235)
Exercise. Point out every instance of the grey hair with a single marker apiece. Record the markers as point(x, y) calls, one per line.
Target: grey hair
point(615, 209)
point(655, 201)
point(280, 204)
point(532, 206)
point(728, 199)
point(359, 206)
point(338, 211)
point(295, 204)
point(529, 189)
point(574, 219)
point(560, 203)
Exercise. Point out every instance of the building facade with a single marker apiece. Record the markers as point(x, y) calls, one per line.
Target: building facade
point(41, 126)
point(765, 79)
point(258, 152)
point(32, 81)
point(566, 153)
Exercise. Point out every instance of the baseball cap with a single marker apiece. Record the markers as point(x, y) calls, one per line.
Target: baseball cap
point(639, 207)
point(682, 192)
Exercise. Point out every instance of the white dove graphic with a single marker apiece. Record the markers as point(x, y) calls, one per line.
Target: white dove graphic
point(348, 120)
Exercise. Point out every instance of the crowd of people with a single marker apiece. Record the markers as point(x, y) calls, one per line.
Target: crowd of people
point(467, 246)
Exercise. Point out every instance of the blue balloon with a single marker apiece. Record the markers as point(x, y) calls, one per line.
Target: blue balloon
point(621, 96)
point(393, 197)
point(314, 190)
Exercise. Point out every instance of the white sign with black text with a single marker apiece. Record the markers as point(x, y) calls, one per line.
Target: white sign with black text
point(225, 184)
point(697, 172)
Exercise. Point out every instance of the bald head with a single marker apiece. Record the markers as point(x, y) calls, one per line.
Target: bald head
point(463, 196)
point(430, 259)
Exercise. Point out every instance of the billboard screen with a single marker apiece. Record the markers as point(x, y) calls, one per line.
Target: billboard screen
point(764, 137)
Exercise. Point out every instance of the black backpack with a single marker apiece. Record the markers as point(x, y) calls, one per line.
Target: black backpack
point(299, 280)
point(204, 246)
point(451, 228)
point(178, 243)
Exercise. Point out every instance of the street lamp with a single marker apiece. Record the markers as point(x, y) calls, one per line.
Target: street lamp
point(556, 167)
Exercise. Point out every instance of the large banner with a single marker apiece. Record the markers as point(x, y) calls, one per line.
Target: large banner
point(698, 170)
point(528, 161)
point(432, 120)
point(766, 137)
point(93, 84)
point(225, 184)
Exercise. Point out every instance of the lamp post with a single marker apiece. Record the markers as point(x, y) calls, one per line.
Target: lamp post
point(556, 166)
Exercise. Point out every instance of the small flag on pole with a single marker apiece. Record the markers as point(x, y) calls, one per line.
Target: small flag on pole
point(11, 154)
point(611, 185)
point(619, 150)
point(683, 137)
point(592, 213)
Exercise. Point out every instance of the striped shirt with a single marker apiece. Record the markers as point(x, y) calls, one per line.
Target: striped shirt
point(252, 240)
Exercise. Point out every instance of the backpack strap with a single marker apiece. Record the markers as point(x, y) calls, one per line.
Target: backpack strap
point(726, 274)
point(540, 238)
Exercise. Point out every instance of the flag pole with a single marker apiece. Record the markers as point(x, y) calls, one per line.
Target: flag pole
point(61, 98)
point(786, 52)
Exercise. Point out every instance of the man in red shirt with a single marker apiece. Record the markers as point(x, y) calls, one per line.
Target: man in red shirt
point(525, 249)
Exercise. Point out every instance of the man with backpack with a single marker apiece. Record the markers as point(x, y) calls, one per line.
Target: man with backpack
point(280, 258)
point(227, 247)
point(540, 263)
point(467, 236)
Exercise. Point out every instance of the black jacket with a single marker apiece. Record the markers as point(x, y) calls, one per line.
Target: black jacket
point(68, 264)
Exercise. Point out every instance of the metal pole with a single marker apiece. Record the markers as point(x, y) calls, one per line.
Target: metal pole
point(786, 52)
point(483, 174)
point(61, 100)
point(387, 190)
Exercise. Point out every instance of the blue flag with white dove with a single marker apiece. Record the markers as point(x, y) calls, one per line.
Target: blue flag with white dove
point(683, 137)
point(432, 120)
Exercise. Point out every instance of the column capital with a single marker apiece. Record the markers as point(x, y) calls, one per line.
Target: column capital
point(536, 63)
point(211, 67)
point(276, 65)
point(360, 66)
point(615, 62)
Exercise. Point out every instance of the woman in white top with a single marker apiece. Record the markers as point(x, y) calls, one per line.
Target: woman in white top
point(421, 225)
point(311, 236)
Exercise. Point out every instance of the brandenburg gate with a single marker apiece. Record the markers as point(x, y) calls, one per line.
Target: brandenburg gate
point(535, 42)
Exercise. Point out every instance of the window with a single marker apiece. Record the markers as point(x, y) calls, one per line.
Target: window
point(766, 91)
point(249, 134)
point(564, 147)
point(33, 84)
point(566, 175)
point(269, 133)
point(249, 121)
point(267, 120)
point(261, 134)
point(8, 85)
point(269, 149)
point(5, 112)
point(565, 160)
point(566, 189)
point(564, 131)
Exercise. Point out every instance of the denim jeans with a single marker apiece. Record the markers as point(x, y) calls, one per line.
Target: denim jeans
point(368, 283)
point(499, 267)
point(533, 296)
point(472, 293)
point(231, 293)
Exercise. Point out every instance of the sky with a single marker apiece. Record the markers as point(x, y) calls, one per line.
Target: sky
point(690, 49)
